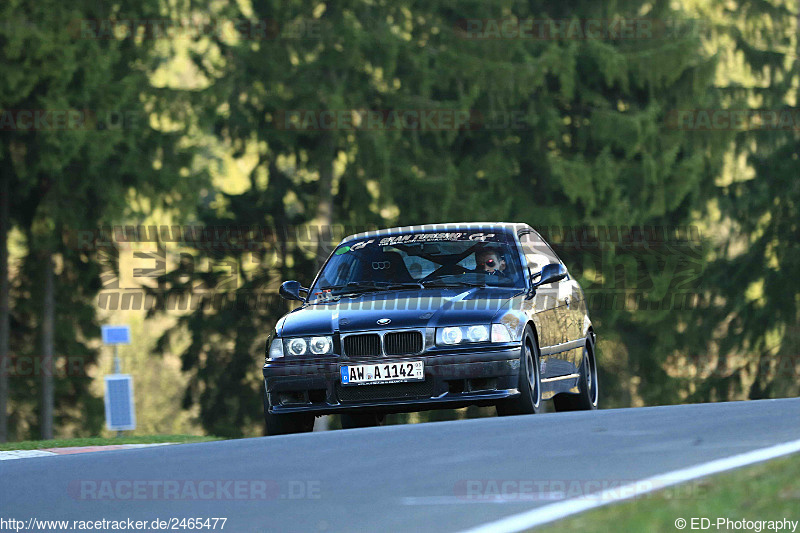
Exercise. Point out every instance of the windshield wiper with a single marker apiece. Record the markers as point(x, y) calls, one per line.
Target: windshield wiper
point(350, 288)
point(439, 282)
point(409, 285)
point(358, 287)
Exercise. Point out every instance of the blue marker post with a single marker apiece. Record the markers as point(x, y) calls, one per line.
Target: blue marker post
point(116, 335)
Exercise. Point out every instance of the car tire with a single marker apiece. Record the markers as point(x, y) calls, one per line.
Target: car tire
point(285, 424)
point(360, 420)
point(529, 401)
point(587, 398)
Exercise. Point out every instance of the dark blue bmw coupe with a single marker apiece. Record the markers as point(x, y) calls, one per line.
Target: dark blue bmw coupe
point(431, 317)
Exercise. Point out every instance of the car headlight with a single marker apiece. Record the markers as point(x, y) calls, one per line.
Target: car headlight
point(275, 350)
point(473, 334)
point(462, 335)
point(514, 324)
point(500, 333)
point(478, 333)
point(450, 335)
point(320, 345)
point(296, 346)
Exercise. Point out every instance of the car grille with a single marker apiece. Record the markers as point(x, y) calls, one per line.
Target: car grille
point(361, 345)
point(402, 343)
point(388, 391)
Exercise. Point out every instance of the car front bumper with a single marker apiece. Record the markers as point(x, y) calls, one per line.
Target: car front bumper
point(451, 380)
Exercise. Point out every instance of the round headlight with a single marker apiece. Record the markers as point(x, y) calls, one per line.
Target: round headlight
point(451, 335)
point(478, 333)
point(297, 346)
point(320, 345)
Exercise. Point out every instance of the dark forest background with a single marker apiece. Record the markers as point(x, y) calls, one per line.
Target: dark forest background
point(681, 224)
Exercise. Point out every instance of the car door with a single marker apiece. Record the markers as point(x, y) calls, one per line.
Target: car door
point(555, 302)
point(565, 300)
point(572, 297)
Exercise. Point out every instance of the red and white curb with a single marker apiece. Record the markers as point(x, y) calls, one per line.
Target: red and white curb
point(50, 452)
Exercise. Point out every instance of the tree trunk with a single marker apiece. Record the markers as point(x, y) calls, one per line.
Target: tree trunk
point(48, 319)
point(4, 307)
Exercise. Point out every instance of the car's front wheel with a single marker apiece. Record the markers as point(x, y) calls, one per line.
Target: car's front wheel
point(285, 424)
point(529, 400)
point(587, 398)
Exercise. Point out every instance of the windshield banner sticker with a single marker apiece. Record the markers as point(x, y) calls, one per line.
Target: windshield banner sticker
point(425, 237)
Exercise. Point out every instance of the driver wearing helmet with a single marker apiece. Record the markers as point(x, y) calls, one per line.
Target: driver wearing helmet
point(490, 262)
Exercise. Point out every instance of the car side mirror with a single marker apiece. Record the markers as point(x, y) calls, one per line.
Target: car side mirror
point(550, 274)
point(290, 290)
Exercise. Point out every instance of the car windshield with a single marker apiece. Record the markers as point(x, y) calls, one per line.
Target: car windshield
point(421, 260)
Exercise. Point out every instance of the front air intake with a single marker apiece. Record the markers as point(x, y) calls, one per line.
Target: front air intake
point(402, 343)
point(362, 345)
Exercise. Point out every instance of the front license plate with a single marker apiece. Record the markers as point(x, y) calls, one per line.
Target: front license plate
point(382, 373)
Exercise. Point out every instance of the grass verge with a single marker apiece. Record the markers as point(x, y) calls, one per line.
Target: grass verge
point(767, 491)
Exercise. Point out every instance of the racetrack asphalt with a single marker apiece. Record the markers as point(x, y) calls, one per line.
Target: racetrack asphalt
point(438, 476)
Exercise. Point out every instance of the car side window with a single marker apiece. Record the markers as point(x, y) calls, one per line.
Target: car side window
point(340, 271)
point(537, 252)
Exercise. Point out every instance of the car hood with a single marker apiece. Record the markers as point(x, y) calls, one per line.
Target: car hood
point(404, 309)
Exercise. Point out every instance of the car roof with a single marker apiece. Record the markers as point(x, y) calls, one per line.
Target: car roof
point(506, 227)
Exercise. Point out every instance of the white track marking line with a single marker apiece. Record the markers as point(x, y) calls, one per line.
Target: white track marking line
point(23, 454)
point(29, 454)
point(495, 500)
point(556, 511)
